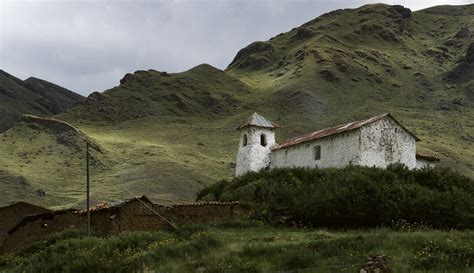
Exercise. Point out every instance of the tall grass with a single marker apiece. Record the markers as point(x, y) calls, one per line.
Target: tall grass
point(231, 247)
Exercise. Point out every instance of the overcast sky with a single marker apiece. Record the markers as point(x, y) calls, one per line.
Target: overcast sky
point(89, 45)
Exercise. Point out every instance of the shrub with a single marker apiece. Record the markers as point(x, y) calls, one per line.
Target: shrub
point(353, 196)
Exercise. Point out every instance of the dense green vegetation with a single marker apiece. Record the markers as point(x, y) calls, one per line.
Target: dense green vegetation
point(243, 246)
point(353, 196)
point(168, 135)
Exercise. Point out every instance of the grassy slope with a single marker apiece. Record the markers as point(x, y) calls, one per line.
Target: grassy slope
point(161, 133)
point(382, 63)
point(167, 135)
point(32, 96)
point(248, 248)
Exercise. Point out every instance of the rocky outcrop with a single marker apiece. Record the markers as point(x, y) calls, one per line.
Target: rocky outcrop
point(404, 12)
point(465, 67)
point(254, 56)
point(328, 75)
point(127, 78)
point(464, 32)
point(301, 34)
point(376, 264)
point(470, 54)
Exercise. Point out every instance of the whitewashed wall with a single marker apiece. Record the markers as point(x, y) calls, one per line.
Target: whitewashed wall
point(423, 163)
point(336, 151)
point(384, 142)
point(254, 156)
point(379, 144)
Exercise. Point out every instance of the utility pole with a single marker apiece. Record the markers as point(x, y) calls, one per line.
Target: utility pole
point(88, 191)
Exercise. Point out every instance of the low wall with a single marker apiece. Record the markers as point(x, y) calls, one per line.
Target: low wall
point(132, 215)
point(34, 227)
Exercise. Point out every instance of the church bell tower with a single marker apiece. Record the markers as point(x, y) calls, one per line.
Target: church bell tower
point(257, 136)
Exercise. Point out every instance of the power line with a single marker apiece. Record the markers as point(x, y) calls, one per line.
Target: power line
point(88, 190)
point(138, 198)
point(150, 208)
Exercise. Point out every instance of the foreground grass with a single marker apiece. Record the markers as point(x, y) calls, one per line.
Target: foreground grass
point(245, 247)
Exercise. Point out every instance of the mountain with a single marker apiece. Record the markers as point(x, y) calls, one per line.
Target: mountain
point(32, 96)
point(354, 63)
point(169, 134)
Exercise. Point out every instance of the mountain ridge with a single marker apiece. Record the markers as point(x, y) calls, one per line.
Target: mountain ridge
point(170, 134)
point(32, 96)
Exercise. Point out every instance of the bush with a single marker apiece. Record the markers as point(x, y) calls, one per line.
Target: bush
point(354, 196)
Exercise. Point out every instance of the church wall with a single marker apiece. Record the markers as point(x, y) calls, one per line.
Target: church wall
point(254, 156)
point(423, 163)
point(385, 142)
point(336, 151)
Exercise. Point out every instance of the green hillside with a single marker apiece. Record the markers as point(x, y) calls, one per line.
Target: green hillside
point(350, 64)
point(32, 96)
point(168, 135)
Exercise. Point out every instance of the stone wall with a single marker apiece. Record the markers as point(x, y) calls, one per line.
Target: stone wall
point(384, 142)
point(254, 156)
point(379, 144)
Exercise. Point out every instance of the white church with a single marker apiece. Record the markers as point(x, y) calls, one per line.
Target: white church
point(377, 141)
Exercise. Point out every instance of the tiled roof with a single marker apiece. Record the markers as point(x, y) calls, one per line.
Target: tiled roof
point(427, 157)
point(104, 206)
point(198, 204)
point(336, 130)
point(257, 120)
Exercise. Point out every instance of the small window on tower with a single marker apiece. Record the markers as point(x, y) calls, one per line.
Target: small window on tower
point(263, 140)
point(244, 141)
point(317, 152)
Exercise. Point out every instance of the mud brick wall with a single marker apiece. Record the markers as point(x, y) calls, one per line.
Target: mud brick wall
point(135, 216)
point(37, 226)
point(130, 216)
point(13, 214)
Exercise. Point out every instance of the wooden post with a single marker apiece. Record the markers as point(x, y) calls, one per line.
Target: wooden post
point(88, 191)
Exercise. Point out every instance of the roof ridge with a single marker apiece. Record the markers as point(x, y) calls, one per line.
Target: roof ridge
point(258, 120)
point(333, 130)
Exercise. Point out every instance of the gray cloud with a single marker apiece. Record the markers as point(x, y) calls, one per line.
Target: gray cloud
point(89, 45)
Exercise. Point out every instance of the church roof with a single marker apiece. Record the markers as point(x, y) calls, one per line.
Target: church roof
point(257, 120)
point(427, 157)
point(336, 130)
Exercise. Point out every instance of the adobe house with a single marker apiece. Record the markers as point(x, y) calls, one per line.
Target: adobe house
point(377, 141)
point(13, 214)
point(35, 226)
point(134, 214)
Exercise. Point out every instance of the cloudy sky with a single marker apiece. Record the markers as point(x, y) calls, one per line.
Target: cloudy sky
point(89, 45)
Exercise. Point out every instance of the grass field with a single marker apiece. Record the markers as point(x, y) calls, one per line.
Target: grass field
point(243, 246)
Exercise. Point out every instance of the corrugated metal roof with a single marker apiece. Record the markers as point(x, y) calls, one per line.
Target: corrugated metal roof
point(257, 120)
point(336, 130)
point(427, 157)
